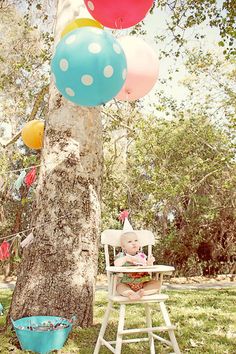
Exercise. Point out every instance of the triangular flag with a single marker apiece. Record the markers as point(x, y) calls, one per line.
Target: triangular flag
point(30, 177)
point(27, 241)
point(20, 180)
point(4, 250)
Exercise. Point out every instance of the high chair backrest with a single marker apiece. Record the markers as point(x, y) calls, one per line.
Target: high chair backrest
point(112, 238)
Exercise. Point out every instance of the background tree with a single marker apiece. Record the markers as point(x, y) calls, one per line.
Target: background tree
point(183, 187)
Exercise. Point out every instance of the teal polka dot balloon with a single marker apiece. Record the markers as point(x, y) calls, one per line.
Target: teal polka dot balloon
point(89, 66)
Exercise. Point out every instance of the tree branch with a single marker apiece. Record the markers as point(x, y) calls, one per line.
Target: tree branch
point(203, 179)
point(12, 140)
point(33, 113)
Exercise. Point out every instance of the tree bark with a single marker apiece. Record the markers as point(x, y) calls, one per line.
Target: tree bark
point(58, 269)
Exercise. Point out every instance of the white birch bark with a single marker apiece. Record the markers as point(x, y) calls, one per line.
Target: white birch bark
point(58, 270)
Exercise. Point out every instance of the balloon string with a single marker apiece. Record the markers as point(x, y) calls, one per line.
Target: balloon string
point(127, 101)
point(20, 169)
point(51, 221)
point(43, 164)
point(116, 103)
point(118, 23)
point(120, 20)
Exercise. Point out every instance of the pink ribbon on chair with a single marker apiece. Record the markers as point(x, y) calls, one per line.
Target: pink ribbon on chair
point(123, 215)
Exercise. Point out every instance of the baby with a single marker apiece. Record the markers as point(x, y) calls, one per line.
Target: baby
point(134, 285)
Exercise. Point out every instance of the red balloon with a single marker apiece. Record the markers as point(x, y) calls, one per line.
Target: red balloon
point(118, 14)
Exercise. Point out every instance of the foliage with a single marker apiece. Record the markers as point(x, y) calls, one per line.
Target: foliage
point(182, 186)
point(24, 59)
point(212, 89)
point(185, 15)
point(204, 324)
point(24, 56)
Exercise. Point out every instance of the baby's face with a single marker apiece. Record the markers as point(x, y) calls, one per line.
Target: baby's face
point(130, 243)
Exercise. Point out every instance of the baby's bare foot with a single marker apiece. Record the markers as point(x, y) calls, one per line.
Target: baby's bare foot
point(141, 293)
point(132, 295)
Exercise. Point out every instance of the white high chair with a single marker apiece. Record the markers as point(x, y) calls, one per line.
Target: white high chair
point(146, 238)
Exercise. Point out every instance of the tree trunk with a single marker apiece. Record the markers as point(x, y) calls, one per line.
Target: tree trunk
point(58, 270)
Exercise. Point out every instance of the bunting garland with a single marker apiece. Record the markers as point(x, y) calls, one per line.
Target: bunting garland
point(18, 183)
point(5, 246)
point(27, 241)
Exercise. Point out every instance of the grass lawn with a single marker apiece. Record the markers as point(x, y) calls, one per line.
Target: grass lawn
point(205, 319)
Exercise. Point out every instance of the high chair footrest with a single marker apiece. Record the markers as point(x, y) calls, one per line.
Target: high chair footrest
point(107, 344)
point(147, 330)
point(147, 298)
point(133, 340)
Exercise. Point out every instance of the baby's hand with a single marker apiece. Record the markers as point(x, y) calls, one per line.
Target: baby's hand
point(142, 259)
point(150, 260)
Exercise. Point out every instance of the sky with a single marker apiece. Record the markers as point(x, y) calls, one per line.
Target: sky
point(155, 24)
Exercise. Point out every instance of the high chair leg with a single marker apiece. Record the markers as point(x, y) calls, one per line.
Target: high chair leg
point(103, 328)
point(149, 324)
point(171, 331)
point(120, 328)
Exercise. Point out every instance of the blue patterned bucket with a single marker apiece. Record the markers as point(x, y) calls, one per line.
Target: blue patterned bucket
point(42, 334)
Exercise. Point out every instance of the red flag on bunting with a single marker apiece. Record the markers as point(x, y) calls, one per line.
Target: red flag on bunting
point(4, 250)
point(30, 177)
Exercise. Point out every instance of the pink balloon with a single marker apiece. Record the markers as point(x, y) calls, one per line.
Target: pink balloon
point(142, 68)
point(118, 13)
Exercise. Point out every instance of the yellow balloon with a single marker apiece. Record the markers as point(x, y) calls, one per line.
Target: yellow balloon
point(80, 22)
point(32, 134)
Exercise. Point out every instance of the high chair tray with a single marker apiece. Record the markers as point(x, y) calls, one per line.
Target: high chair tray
point(132, 269)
